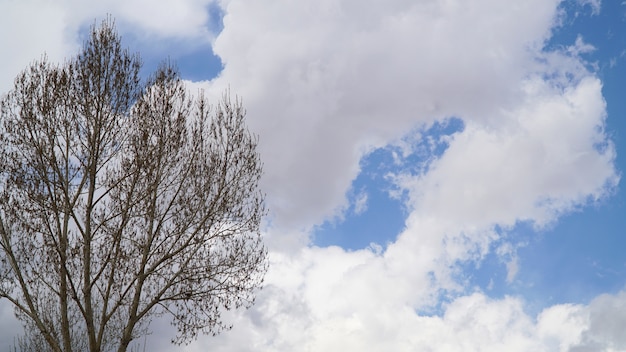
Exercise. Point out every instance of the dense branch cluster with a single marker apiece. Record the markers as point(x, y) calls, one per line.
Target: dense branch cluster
point(120, 201)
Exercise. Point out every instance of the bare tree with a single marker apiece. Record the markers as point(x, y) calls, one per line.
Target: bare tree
point(121, 201)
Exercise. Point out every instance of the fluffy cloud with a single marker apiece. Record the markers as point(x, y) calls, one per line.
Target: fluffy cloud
point(321, 299)
point(606, 316)
point(28, 31)
point(325, 82)
point(538, 160)
point(32, 27)
point(10, 328)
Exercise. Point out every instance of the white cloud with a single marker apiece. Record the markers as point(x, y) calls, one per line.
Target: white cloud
point(321, 308)
point(157, 19)
point(508, 255)
point(360, 203)
point(580, 47)
point(326, 81)
point(283, 321)
point(356, 78)
point(606, 324)
point(562, 326)
point(27, 32)
point(185, 19)
point(535, 162)
point(596, 5)
point(32, 27)
point(10, 327)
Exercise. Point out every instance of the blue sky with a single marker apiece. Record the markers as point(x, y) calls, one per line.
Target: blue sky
point(382, 216)
point(455, 164)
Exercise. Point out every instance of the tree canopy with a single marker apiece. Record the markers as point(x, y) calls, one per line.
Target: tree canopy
point(123, 200)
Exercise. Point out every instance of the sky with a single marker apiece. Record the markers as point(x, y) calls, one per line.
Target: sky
point(442, 175)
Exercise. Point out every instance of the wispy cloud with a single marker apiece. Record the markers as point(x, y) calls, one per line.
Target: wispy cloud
point(596, 5)
point(360, 203)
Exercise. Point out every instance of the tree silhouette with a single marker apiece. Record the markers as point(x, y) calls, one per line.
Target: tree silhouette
point(121, 201)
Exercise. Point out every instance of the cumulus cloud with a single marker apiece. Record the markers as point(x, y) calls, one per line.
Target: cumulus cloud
point(606, 321)
point(538, 160)
point(324, 89)
point(33, 27)
point(9, 326)
point(310, 310)
point(327, 81)
point(28, 31)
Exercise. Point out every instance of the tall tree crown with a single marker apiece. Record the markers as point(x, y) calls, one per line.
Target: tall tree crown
point(121, 201)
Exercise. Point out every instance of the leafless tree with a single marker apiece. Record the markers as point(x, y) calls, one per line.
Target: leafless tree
point(121, 201)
